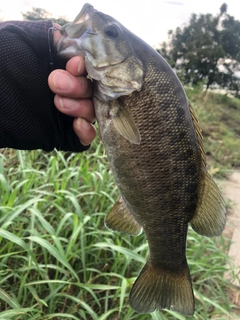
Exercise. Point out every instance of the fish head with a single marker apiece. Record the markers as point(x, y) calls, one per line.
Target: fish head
point(109, 56)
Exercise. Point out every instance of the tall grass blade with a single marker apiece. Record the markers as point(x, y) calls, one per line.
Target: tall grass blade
point(53, 251)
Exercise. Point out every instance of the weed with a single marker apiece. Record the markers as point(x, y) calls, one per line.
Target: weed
point(58, 261)
point(219, 117)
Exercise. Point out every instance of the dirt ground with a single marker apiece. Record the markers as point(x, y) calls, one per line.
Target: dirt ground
point(231, 193)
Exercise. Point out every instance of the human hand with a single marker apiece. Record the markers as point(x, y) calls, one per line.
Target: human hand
point(73, 96)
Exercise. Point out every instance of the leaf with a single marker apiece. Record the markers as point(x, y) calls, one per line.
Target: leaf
point(11, 237)
point(9, 300)
point(52, 250)
point(128, 253)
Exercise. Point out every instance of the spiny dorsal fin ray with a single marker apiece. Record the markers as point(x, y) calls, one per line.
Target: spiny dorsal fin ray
point(198, 132)
point(120, 219)
point(157, 289)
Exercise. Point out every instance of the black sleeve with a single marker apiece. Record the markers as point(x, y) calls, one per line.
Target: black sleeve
point(28, 117)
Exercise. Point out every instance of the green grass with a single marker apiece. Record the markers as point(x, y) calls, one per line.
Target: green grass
point(219, 117)
point(57, 259)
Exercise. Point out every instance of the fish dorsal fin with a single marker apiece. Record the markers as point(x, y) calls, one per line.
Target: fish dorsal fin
point(124, 123)
point(210, 216)
point(198, 132)
point(120, 219)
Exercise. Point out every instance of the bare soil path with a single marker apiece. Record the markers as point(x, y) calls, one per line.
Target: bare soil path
point(231, 191)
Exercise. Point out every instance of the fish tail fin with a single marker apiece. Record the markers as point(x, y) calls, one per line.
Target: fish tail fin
point(157, 288)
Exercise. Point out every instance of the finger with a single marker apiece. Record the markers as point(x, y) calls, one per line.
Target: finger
point(63, 83)
point(85, 131)
point(75, 107)
point(76, 66)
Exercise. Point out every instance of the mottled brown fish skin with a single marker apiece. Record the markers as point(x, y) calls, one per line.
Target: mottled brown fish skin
point(159, 178)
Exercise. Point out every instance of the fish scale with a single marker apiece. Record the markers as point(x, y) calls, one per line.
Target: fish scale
point(154, 146)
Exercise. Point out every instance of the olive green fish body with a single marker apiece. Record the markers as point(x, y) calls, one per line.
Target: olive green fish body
point(158, 179)
point(153, 143)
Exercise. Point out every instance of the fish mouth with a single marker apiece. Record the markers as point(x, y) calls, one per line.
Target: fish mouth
point(76, 40)
point(81, 22)
point(70, 42)
point(85, 13)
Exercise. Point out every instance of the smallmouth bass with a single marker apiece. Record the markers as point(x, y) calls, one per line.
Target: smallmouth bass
point(154, 146)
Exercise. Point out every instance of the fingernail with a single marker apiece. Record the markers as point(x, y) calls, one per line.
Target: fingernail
point(83, 124)
point(62, 82)
point(66, 103)
point(80, 67)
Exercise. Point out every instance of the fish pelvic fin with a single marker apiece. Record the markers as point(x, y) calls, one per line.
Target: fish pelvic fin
point(157, 289)
point(120, 219)
point(210, 216)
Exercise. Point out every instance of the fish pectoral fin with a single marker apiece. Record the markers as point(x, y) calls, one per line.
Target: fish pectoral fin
point(125, 125)
point(210, 216)
point(157, 288)
point(120, 219)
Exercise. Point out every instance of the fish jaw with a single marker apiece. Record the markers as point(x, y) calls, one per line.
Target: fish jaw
point(69, 44)
point(85, 36)
point(109, 56)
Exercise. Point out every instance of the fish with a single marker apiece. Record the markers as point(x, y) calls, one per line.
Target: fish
point(154, 146)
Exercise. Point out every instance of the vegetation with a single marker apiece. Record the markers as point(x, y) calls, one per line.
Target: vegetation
point(206, 50)
point(219, 117)
point(58, 261)
point(42, 14)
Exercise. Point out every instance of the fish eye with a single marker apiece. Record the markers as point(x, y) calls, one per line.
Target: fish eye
point(111, 31)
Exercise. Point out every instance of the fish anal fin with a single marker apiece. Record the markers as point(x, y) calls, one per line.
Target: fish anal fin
point(124, 123)
point(157, 289)
point(210, 216)
point(120, 219)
